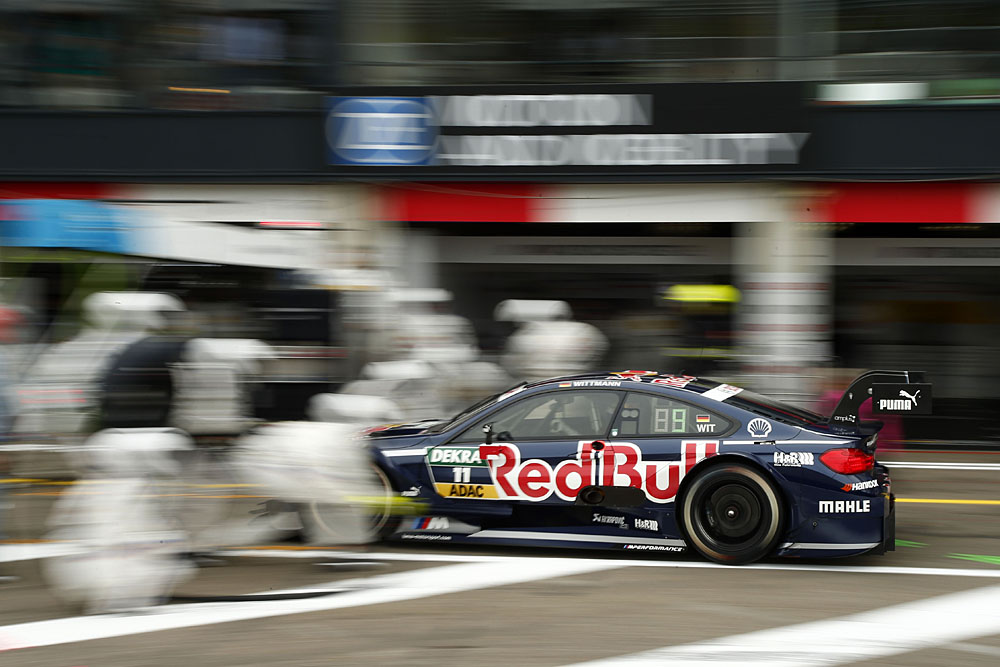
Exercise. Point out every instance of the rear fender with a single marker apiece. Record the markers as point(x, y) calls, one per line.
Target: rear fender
point(744, 459)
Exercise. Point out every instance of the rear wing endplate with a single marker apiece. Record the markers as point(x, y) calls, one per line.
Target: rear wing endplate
point(892, 393)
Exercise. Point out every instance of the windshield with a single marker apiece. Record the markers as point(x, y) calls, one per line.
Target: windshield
point(468, 412)
point(768, 407)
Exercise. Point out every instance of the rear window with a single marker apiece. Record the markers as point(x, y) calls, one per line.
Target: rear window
point(776, 410)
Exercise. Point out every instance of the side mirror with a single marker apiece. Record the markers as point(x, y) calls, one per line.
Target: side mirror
point(488, 430)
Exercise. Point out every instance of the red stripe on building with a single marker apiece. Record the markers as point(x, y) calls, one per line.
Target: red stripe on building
point(461, 202)
point(899, 202)
point(13, 190)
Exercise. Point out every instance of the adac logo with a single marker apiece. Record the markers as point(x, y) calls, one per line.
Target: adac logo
point(380, 131)
point(759, 428)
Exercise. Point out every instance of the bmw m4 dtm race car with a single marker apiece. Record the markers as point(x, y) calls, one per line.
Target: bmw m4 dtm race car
point(642, 461)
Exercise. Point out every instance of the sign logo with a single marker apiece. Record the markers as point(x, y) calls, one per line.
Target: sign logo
point(912, 398)
point(793, 459)
point(431, 523)
point(612, 519)
point(470, 491)
point(653, 547)
point(722, 392)
point(860, 486)
point(908, 402)
point(646, 524)
point(759, 428)
point(618, 464)
point(454, 456)
point(631, 375)
point(380, 131)
point(845, 506)
point(592, 383)
point(396, 131)
point(676, 381)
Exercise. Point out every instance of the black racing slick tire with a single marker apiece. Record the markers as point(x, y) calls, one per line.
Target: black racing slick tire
point(731, 514)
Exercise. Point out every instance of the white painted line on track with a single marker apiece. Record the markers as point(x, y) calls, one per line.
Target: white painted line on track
point(614, 562)
point(10, 553)
point(380, 589)
point(17, 552)
point(859, 637)
point(939, 465)
point(974, 648)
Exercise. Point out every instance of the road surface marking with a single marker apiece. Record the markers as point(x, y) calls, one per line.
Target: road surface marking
point(379, 589)
point(263, 552)
point(910, 543)
point(973, 648)
point(34, 551)
point(863, 637)
point(978, 558)
point(10, 553)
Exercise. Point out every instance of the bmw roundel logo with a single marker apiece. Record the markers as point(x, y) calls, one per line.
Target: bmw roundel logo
point(380, 131)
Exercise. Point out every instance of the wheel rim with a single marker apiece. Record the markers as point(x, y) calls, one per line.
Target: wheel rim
point(731, 513)
point(379, 511)
point(731, 516)
point(383, 510)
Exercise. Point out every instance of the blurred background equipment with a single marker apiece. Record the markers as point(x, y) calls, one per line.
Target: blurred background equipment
point(126, 545)
point(62, 389)
point(705, 318)
point(548, 343)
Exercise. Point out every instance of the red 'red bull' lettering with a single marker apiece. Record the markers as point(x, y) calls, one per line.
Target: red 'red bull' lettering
point(618, 464)
point(572, 476)
point(501, 471)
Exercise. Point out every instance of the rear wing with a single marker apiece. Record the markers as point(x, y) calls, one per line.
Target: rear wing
point(892, 393)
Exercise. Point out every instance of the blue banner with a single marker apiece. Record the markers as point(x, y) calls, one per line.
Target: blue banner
point(64, 223)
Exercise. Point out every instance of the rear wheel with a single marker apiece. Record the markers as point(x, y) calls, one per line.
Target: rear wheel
point(731, 514)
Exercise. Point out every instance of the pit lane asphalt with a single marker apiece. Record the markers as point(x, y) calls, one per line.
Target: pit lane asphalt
point(553, 620)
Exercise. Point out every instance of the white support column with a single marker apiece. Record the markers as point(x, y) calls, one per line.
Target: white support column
point(784, 270)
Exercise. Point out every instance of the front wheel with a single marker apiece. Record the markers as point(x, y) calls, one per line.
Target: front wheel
point(344, 524)
point(731, 514)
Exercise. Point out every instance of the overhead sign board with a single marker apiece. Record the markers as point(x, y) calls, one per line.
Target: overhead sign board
point(572, 129)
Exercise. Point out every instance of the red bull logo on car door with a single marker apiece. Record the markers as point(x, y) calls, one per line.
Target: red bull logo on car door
point(617, 464)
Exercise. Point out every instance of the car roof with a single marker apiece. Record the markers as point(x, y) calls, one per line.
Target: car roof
point(631, 380)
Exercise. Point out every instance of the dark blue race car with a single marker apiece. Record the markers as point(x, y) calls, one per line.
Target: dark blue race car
point(642, 461)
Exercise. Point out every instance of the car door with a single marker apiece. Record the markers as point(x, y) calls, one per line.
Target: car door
point(534, 453)
point(655, 440)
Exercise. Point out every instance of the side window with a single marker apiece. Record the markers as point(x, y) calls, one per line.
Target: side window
point(560, 414)
point(651, 415)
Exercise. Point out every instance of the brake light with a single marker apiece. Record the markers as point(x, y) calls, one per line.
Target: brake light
point(847, 461)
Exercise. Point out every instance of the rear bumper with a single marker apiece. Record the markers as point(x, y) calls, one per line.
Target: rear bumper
point(836, 538)
point(888, 513)
point(888, 526)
